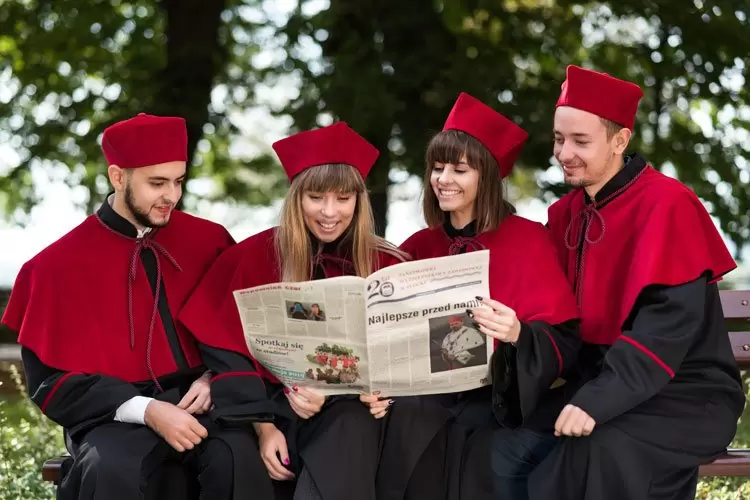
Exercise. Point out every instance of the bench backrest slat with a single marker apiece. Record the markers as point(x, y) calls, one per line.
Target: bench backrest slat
point(736, 307)
point(741, 348)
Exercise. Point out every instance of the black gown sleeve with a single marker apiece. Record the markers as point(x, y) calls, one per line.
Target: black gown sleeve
point(523, 374)
point(239, 394)
point(666, 322)
point(76, 401)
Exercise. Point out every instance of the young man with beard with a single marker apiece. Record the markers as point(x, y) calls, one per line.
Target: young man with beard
point(658, 391)
point(104, 357)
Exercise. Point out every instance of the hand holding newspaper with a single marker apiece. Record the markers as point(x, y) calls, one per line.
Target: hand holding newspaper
point(402, 330)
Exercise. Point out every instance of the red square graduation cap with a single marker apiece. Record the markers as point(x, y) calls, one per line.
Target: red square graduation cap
point(601, 94)
point(336, 143)
point(503, 138)
point(145, 140)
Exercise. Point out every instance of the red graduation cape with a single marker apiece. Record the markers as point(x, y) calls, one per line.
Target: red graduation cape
point(633, 245)
point(69, 303)
point(521, 257)
point(211, 312)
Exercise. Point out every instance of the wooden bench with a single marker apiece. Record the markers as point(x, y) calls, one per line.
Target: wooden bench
point(51, 470)
point(735, 462)
point(10, 353)
point(736, 306)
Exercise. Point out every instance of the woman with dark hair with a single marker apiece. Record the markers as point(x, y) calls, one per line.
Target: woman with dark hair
point(531, 316)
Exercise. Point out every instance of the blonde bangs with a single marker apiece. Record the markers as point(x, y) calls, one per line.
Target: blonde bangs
point(330, 178)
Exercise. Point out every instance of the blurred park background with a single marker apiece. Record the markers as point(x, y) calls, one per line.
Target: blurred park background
point(245, 73)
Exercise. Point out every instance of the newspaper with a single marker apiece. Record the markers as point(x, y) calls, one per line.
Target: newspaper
point(403, 330)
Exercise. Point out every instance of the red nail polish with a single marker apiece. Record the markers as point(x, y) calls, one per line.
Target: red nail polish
point(286, 461)
point(286, 390)
point(295, 388)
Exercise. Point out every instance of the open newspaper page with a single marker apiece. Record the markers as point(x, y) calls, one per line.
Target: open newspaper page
point(310, 334)
point(420, 339)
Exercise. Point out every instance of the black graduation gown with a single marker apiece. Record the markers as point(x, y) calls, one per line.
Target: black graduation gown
point(115, 460)
point(339, 446)
point(666, 395)
point(438, 446)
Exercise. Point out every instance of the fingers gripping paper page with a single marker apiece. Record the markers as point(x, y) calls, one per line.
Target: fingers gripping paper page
point(403, 330)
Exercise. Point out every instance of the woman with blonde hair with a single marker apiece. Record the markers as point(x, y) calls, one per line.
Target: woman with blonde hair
point(439, 446)
point(329, 445)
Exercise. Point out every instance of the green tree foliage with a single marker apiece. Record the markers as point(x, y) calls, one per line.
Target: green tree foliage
point(689, 59)
point(392, 69)
point(70, 69)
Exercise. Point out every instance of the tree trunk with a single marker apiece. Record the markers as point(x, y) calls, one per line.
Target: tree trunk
point(378, 183)
point(350, 49)
point(194, 57)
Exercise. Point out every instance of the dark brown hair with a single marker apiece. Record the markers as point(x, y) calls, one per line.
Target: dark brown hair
point(490, 207)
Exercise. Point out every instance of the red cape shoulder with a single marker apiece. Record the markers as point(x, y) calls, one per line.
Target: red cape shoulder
point(199, 228)
point(415, 244)
point(88, 268)
point(211, 312)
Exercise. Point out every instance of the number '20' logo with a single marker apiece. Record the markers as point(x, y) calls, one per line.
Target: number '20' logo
point(378, 289)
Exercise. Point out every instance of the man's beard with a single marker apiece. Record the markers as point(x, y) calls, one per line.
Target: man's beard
point(577, 183)
point(140, 216)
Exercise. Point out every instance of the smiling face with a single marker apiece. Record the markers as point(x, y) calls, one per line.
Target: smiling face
point(328, 214)
point(326, 199)
point(462, 181)
point(588, 149)
point(455, 187)
point(328, 202)
point(146, 196)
